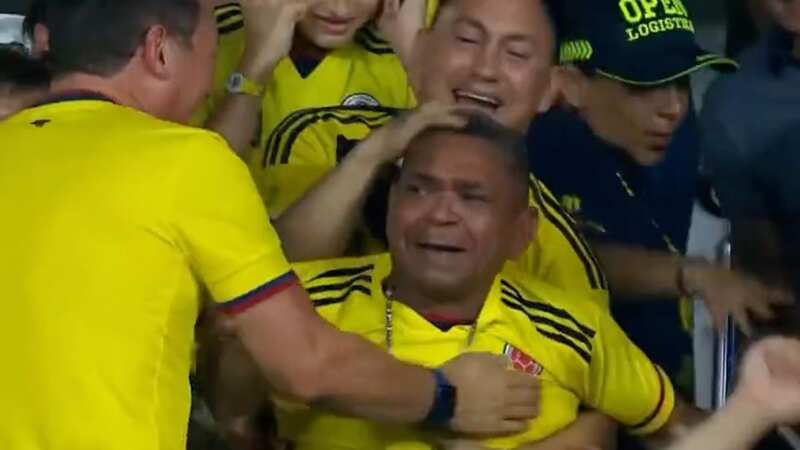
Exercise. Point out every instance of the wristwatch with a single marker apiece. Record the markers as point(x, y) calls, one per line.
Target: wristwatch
point(240, 84)
point(443, 408)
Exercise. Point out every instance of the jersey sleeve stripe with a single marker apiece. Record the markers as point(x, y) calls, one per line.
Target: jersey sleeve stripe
point(565, 341)
point(227, 6)
point(233, 13)
point(659, 406)
point(572, 225)
point(589, 264)
point(260, 294)
point(230, 28)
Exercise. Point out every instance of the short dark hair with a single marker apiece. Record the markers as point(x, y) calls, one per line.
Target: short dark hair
point(552, 8)
point(510, 144)
point(100, 37)
point(20, 72)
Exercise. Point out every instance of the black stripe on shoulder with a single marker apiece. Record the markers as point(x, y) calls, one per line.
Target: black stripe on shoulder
point(370, 33)
point(313, 291)
point(561, 339)
point(377, 49)
point(280, 143)
point(225, 6)
point(573, 241)
point(659, 405)
point(513, 292)
point(581, 246)
point(327, 301)
point(230, 28)
point(227, 15)
point(544, 321)
point(344, 272)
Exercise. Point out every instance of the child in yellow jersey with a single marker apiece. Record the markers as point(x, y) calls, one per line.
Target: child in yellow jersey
point(276, 57)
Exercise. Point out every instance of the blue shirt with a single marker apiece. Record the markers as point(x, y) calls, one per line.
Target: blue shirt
point(594, 180)
point(744, 116)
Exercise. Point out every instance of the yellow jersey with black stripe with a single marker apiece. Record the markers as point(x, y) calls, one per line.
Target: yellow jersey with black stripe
point(311, 142)
point(110, 232)
point(574, 346)
point(365, 72)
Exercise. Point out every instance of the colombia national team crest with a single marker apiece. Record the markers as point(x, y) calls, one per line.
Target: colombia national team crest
point(360, 99)
point(521, 361)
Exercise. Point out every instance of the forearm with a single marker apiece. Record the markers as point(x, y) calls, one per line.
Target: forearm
point(305, 358)
point(236, 120)
point(591, 431)
point(361, 379)
point(638, 272)
point(321, 223)
point(237, 117)
point(684, 418)
point(737, 426)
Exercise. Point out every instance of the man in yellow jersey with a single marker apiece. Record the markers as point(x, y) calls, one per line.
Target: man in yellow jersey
point(458, 211)
point(280, 56)
point(115, 217)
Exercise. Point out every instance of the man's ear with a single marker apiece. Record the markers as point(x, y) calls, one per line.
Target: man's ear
point(157, 51)
point(41, 40)
point(572, 85)
point(525, 231)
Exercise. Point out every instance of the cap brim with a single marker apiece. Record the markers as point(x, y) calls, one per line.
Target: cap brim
point(702, 59)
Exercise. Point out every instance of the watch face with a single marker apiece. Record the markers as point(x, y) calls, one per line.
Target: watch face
point(235, 82)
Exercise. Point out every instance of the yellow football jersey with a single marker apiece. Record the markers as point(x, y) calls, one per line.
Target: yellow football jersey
point(110, 228)
point(366, 72)
point(311, 142)
point(573, 345)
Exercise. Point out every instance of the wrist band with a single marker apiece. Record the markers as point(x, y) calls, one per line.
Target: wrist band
point(444, 401)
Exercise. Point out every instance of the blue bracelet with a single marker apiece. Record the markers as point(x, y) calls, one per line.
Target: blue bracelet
point(444, 401)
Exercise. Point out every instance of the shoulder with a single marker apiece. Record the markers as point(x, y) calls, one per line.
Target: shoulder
point(333, 281)
point(565, 318)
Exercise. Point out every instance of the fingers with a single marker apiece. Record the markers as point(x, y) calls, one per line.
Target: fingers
point(743, 321)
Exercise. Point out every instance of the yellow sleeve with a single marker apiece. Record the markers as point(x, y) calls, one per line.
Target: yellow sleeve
point(281, 185)
point(559, 254)
point(625, 384)
point(222, 226)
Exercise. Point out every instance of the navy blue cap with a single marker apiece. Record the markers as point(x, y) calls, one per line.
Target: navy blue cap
point(640, 42)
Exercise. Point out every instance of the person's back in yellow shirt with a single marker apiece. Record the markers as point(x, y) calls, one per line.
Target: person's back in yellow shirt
point(110, 227)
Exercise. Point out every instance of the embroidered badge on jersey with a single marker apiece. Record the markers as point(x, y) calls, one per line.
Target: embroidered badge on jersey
point(521, 361)
point(360, 99)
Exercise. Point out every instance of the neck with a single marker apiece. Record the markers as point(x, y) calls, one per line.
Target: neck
point(463, 306)
point(303, 48)
point(92, 83)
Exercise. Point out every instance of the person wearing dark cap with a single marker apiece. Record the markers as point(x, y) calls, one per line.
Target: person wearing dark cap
point(622, 157)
